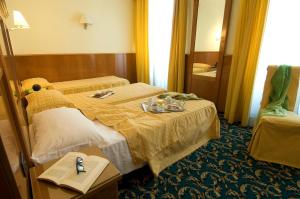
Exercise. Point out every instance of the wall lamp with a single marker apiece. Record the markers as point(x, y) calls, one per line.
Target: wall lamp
point(85, 21)
point(19, 21)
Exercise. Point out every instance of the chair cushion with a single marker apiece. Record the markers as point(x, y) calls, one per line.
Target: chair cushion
point(291, 119)
point(277, 139)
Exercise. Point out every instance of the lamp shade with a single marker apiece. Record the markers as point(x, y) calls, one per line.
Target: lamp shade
point(19, 20)
point(85, 20)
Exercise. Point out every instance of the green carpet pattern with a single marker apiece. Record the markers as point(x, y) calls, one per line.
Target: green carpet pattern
point(221, 169)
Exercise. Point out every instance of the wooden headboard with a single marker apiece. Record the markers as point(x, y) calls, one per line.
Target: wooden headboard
point(207, 57)
point(64, 67)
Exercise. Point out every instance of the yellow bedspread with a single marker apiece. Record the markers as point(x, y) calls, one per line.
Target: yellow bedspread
point(83, 85)
point(160, 139)
point(122, 94)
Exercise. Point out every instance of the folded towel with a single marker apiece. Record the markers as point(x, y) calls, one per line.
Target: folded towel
point(278, 100)
point(103, 94)
point(180, 96)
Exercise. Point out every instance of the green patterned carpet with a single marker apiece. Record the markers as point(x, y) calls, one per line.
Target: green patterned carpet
point(221, 169)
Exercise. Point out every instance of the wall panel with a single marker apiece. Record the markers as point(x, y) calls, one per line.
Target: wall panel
point(224, 83)
point(63, 67)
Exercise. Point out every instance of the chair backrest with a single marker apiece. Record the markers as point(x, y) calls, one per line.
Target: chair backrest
point(293, 88)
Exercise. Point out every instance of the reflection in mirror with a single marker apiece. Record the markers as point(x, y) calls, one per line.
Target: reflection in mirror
point(8, 65)
point(208, 37)
point(10, 143)
point(7, 136)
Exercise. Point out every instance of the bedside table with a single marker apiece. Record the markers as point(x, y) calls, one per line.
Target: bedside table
point(106, 185)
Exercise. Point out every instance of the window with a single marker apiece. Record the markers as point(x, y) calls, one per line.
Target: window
point(280, 45)
point(160, 33)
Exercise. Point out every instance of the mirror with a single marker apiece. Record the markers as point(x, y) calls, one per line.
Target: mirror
point(13, 90)
point(208, 37)
point(209, 34)
point(10, 145)
point(8, 61)
point(12, 123)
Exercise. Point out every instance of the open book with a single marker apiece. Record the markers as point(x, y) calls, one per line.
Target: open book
point(64, 173)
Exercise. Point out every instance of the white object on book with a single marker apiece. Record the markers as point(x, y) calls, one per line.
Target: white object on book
point(64, 173)
point(102, 94)
point(144, 106)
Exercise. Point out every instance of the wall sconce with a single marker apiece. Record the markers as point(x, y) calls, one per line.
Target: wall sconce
point(86, 21)
point(19, 21)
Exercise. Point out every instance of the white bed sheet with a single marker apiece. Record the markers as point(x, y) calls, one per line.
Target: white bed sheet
point(114, 147)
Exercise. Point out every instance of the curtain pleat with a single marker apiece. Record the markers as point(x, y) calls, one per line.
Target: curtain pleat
point(3, 9)
point(177, 52)
point(141, 40)
point(244, 60)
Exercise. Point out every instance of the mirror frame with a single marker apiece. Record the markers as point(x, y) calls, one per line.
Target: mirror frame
point(223, 42)
point(16, 118)
point(10, 57)
point(9, 188)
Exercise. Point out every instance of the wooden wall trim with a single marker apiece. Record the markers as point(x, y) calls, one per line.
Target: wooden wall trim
point(224, 83)
point(190, 60)
point(207, 57)
point(201, 83)
point(64, 67)
point(225, 29)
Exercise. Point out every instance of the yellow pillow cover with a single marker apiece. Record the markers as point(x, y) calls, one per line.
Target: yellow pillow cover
point(44, 100)
point(28, 83)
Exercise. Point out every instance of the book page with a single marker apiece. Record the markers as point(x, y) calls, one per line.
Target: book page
point(62, 168)
point(94, 166)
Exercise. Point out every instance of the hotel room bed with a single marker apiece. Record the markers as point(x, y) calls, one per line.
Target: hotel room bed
point(159, 139)
point(212, 73)
point(83, 85)
point(112, 144)
point(130, 137)
point(74, 86)
point(115, 146)
point(121, 95)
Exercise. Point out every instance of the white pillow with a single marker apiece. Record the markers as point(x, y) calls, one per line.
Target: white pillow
point(60, 130)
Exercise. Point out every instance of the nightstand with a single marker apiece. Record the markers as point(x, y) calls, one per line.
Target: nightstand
point(106, 185)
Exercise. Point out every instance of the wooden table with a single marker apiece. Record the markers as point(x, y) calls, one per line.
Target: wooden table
point(106, 185)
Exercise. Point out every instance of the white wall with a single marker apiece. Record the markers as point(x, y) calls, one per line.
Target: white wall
point(232, 27)
point(209, 25)
point(55, 26)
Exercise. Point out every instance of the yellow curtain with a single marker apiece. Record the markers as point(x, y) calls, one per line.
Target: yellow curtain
point(3, 9)
point(244, 60)
point(141, 40)
point(177, 53)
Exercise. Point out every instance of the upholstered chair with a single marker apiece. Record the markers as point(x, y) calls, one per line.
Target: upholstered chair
point(274, 138)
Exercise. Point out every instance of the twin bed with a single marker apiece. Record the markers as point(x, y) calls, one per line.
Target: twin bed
point(127, 135)
point(83, 85)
